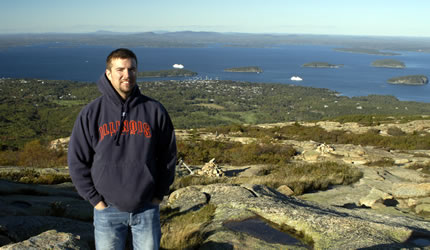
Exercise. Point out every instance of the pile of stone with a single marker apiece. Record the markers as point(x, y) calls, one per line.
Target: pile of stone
point(211, 169)
point(325, 148)
point(60, 144)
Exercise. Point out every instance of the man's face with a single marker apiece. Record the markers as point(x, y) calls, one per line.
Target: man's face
point(122, 75)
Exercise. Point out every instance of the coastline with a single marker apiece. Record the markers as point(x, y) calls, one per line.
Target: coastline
point(355, 78)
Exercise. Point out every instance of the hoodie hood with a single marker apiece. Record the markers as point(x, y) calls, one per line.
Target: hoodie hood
point(106, 88)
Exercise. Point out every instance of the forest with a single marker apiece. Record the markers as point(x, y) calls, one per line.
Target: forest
point(46, 109)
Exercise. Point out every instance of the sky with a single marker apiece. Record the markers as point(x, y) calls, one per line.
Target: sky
point(332, 17)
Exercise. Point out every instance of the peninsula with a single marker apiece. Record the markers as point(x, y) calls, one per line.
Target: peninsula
point(388, 63)
point(250, 69)
point(167, 73)
point(366, 51)
point(409, 80)
point(321, 65)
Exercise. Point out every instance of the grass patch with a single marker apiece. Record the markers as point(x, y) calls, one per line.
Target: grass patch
point(211, 106)
point(398, 140)
point(31, 176)
point(385, 162)
point(191, 180)
point(421, 155)
point(184, 231)
point(227, 117)
point(299, 177)
point(425, 168)
point(249, 117)
point(372, 119)
point(34, 154)
point(234, 153)
point(303, 178)
point(69, 103)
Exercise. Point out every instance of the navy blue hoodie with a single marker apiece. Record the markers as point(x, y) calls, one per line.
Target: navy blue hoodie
point(122, 152)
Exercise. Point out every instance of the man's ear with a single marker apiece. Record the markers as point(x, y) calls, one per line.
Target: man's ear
point(108, 74)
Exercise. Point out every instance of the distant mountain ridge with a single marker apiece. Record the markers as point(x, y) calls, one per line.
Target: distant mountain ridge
point(161, 39)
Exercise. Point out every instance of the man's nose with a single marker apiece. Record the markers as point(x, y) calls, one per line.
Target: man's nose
point(127, 72)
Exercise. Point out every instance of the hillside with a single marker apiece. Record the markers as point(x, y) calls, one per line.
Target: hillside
point(289, 191)
point(167, 73)
point(46, 109)
point(269, 167)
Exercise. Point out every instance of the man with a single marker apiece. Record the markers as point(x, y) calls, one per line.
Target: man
point(122, 157)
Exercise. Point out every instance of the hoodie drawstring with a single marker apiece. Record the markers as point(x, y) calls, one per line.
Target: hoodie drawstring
point(121, 126)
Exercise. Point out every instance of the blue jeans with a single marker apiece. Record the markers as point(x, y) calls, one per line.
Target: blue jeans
point(111, 228)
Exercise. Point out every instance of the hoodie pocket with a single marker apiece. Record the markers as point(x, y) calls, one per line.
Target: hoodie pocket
point(127, 183)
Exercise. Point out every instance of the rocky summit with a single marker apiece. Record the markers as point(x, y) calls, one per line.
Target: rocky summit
point(388, 208)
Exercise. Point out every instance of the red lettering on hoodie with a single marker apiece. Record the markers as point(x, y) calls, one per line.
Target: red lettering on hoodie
point(133, 127)
point(147, 130)
point(101, 133)
point(125, 128)
point(130, 127)
point(112, 129)
point(139, 127)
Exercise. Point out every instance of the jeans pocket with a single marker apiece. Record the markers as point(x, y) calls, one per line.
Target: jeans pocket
point(103, 209)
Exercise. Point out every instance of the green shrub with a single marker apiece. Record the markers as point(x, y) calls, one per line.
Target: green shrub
point(399, 139)
point(305, 177)
point(235, 153)
point(31, 176)
point(9, 158)
point(395, 131)
point(34, 154)
point(299, 177)
point(191, 180)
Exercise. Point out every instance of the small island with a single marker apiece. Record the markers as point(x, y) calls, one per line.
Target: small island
point(251, 69)
point(388, 63)
point(366, 51)
point(321, 65)
point(409, 80)
point(167, 73)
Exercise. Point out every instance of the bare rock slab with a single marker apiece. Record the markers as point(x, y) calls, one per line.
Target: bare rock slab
point(321, 227)
point(49, 240)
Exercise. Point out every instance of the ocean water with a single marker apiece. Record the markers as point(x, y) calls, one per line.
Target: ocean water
point(356, 78)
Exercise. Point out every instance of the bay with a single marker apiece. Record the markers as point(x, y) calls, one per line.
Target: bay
point(356, 78)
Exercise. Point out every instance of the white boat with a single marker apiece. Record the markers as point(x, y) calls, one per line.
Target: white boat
point(296, 78)
point(178, 66)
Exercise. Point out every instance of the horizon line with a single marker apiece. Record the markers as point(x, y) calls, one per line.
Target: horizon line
point(192, 31)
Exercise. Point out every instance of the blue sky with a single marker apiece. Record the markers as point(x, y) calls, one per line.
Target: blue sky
point(347, 17)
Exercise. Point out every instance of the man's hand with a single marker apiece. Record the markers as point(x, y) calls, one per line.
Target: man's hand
point(101, 205)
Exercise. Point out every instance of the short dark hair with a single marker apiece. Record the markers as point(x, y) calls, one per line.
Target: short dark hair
point(119, 53)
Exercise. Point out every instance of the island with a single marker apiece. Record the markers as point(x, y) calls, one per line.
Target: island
point(251, 69)
point(409, 80)
point(166, 73)
point(388, 63)
point(366, 51)
point(321, 65)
